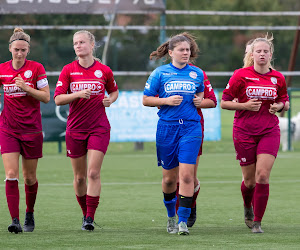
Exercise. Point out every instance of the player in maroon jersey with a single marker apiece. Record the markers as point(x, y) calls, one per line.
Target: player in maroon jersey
point(25, 85)
point(209, 101)
point(261, 92)
point(82, 85)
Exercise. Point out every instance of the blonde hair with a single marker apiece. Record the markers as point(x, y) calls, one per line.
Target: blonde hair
point(164, 48)
point(248, 59)
point(92, 39)
point(19, 34)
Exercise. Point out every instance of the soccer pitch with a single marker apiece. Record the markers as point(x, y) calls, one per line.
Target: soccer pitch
point(131, 213)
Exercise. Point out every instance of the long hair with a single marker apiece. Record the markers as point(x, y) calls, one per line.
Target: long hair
point(164, 48)
point(92, 39)
point(19, 34)
point(248, 59)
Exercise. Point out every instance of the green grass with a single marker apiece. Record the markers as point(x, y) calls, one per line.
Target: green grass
point(131, 212)
point(132, 215)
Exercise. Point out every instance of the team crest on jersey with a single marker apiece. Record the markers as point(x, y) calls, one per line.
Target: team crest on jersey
point(98, 73)
point(274, 80)
point(193, 74)
point(28, 73)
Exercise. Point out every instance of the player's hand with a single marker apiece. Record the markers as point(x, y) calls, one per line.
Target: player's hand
point(274, 108)
point(106, 101)
point(197, 101)
point(85, 94)
point(253, 105)
point(21, 83)
point(174, 100)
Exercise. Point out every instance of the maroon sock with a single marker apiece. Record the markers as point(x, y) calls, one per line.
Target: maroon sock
point(91, 204)
point(196, 192)
point(261, 196)
point(31, 192)
point(247, 194)
point(177, 201)
point(12, 197)
point(82, 202)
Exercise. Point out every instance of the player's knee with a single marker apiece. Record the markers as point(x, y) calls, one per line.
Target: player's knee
point(262, 177)
point(93, 174)
point(169, 181)
point(186, 178)
point(80, 180)
point(30, 180)
point(11, 174)
point(249, 182)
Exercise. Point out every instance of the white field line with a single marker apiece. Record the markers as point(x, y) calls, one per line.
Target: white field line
point(280, 155)
point(156, 183)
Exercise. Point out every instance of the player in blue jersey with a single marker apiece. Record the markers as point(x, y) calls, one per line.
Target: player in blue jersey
point(179, 87)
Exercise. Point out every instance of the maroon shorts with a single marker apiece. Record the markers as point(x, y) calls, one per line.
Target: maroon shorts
point(30, 146)
point(78, 143)
point(200, 150)
point(247, 147)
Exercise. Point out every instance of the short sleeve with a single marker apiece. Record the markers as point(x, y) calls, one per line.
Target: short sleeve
point(111, 85)
point(152, 84)
point(63, 83)
point(208, 90)
point(282, 91)
point(232, 88)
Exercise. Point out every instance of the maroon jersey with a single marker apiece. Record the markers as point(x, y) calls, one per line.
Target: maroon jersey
point(86, 115)
point(246, 84)
point(21, 112)
point(208, 94)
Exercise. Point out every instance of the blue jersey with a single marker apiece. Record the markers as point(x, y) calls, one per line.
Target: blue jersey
point(167, 80)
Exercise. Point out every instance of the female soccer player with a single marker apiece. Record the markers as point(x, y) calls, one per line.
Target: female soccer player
point(209, 101)
point(82, 85)
point(25, 85)
point(261, 92)
point(179, 87)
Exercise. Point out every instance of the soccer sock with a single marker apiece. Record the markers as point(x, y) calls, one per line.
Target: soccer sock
point(184, 209)
point(261, 196)
point(12, 197)
point(91, 204)
point(247, 194)
point(170, 203)
point(177, 201)
point(196, 192)
point(30, 193)
point(82, 202)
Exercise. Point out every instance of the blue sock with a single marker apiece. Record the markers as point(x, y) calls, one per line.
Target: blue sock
point(170, 205)
point(183, 214)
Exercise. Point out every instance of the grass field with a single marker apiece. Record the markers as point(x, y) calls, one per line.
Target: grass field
point(131, 213)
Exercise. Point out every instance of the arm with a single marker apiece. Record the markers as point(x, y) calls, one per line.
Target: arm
point(198, 98)
point(251, 105)
point(153, 101)
point(42, 94)
point(207, 103)
point(107, 101)
point(276, 107)
point(63, 99)
point(286, 106)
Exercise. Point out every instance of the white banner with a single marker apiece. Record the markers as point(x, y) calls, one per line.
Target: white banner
point(130, 120)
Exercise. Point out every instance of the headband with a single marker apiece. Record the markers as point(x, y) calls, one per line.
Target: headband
point(22, 39)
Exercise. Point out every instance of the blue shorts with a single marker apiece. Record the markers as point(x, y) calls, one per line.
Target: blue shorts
point(177, 142)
